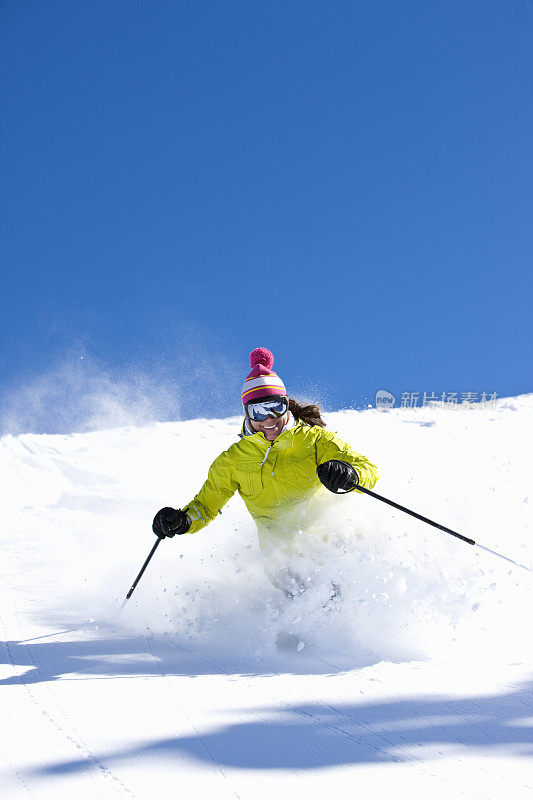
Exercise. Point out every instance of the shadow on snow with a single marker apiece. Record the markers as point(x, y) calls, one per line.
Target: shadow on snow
point(289, 736)
point(105, 657)
point(313, 736)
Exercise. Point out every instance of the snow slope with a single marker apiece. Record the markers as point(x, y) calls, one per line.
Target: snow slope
point(418, 679)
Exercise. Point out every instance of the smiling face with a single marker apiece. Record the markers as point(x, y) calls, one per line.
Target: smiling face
point(271, 427)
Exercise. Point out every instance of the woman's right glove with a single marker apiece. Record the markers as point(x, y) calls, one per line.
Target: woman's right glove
point(170, 521)
point(337, 475)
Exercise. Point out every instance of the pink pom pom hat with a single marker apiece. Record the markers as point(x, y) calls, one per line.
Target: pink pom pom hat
point(262, 381)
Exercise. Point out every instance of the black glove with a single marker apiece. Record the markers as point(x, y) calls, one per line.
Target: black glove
point(170, 521)
point(337, 475)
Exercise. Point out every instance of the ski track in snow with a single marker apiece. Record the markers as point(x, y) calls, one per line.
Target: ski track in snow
point(216, 766)
point(407, 757)
point(307, 716)
point(60, 720)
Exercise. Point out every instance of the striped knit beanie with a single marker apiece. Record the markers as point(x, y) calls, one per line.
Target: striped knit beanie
point(262, 381)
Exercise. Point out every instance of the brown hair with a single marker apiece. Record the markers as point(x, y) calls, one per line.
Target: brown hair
point(309, 414)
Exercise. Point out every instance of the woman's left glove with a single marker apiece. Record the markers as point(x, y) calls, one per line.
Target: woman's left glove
point(170, 521)
point(337, 475)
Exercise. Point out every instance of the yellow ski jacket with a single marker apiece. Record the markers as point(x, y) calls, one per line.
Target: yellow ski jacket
point(274, 478)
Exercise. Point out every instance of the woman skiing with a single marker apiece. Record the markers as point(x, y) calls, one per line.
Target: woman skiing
point(279, 466)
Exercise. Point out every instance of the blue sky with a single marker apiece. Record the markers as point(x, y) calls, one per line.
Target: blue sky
point(347, 183)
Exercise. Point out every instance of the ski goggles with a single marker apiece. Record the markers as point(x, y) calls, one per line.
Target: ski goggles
point(270, 408)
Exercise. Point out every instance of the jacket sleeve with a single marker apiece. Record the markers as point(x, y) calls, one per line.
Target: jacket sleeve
point(215, 493)
point(330, 446)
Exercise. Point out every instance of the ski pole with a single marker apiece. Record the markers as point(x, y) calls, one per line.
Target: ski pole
point(437, 525)
point(139, 576)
